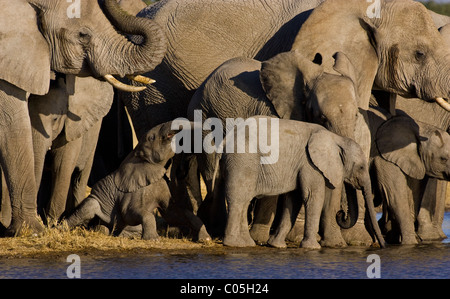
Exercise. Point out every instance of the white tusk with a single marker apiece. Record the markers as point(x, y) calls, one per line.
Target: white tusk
point(443, 103)
point(121, 86)
point(141, 79)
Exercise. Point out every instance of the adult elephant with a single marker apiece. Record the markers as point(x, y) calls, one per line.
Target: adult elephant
point(80, 38)
point(393, 44)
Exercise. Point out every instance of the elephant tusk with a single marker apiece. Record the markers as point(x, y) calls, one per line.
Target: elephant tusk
point(443, 103)
point(121, 86)
point(141, 79)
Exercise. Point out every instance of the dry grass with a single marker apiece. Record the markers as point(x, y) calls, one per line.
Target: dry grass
point(55, 241)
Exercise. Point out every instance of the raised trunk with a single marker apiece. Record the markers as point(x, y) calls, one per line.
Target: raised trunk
point(117, 55)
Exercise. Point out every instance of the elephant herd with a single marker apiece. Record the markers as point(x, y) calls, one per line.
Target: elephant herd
point(351, 94)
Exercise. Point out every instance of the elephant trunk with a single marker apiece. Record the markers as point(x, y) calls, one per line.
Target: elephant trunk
point(348, 220)
point(368, 197)
point(120, 56)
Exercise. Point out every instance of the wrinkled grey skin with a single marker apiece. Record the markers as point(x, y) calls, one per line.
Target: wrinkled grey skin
point(401, 51)
point(244, 87)
point(132, 6)
point(47, 39)
point(130, 195)
point(405, 154)
point(66, 122)
point(310, 157)
point(431, 213)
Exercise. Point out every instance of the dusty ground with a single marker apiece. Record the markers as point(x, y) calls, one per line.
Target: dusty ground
point(54, 241)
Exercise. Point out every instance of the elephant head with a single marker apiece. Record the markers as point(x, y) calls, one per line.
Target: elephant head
point(345, 161)
point(392, 44)
point(79, 38)
point(418, 149)
point(148, 162)
point(297, 86)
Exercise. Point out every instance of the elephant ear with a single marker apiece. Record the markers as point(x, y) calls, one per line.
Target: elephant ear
point(135, 173)
point(326, 155)
point(283, 79)
point(397, 141)
point(344, 66)
point(24, 52)
point(89, 101)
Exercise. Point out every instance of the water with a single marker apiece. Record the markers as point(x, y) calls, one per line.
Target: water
point(428, 261)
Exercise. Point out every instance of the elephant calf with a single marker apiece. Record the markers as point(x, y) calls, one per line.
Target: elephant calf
point(130, 195)
point(309, 157)
point(405, 153)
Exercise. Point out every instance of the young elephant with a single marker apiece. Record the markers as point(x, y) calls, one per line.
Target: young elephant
point(405, 154)
point(130, 195)
point(309, 157)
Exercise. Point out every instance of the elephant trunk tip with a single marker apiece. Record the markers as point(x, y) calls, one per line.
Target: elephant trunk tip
point(344, 221)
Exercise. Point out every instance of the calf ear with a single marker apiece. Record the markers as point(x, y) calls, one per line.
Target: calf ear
point(326, 155)
point(135, 173)
point(397, 142)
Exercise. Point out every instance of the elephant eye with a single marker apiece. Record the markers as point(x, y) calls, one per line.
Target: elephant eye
point(444, 159)
point(420, 55)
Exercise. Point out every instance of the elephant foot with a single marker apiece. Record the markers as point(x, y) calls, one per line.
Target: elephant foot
point(430, 233)
point(334, 242)
point(237, 241)
point(28, 225)
point(310, 243)
point(297, 231)
point(203, 235)
point(357, 235)
point(260, 233)
point(409, 240)
point(276, 242)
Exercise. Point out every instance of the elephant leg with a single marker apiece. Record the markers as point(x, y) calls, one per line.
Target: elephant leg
point(213, 210)
point(313, 193)
point(291, 207)
point(85, 212)
point(431, 210)
point(264, 214)
point(236, 230)
point(5, 206)
point(63, 166)
point(16, 158)
point(332, 236)
point(149, 231)
point(394, 186)
point(84, 165)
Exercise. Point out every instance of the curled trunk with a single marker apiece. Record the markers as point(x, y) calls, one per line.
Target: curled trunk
point(117, 55)
point(348, 220)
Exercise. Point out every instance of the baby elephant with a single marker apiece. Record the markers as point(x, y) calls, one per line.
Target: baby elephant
point(405, 153)
point(304, 156)
point(130, 195)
